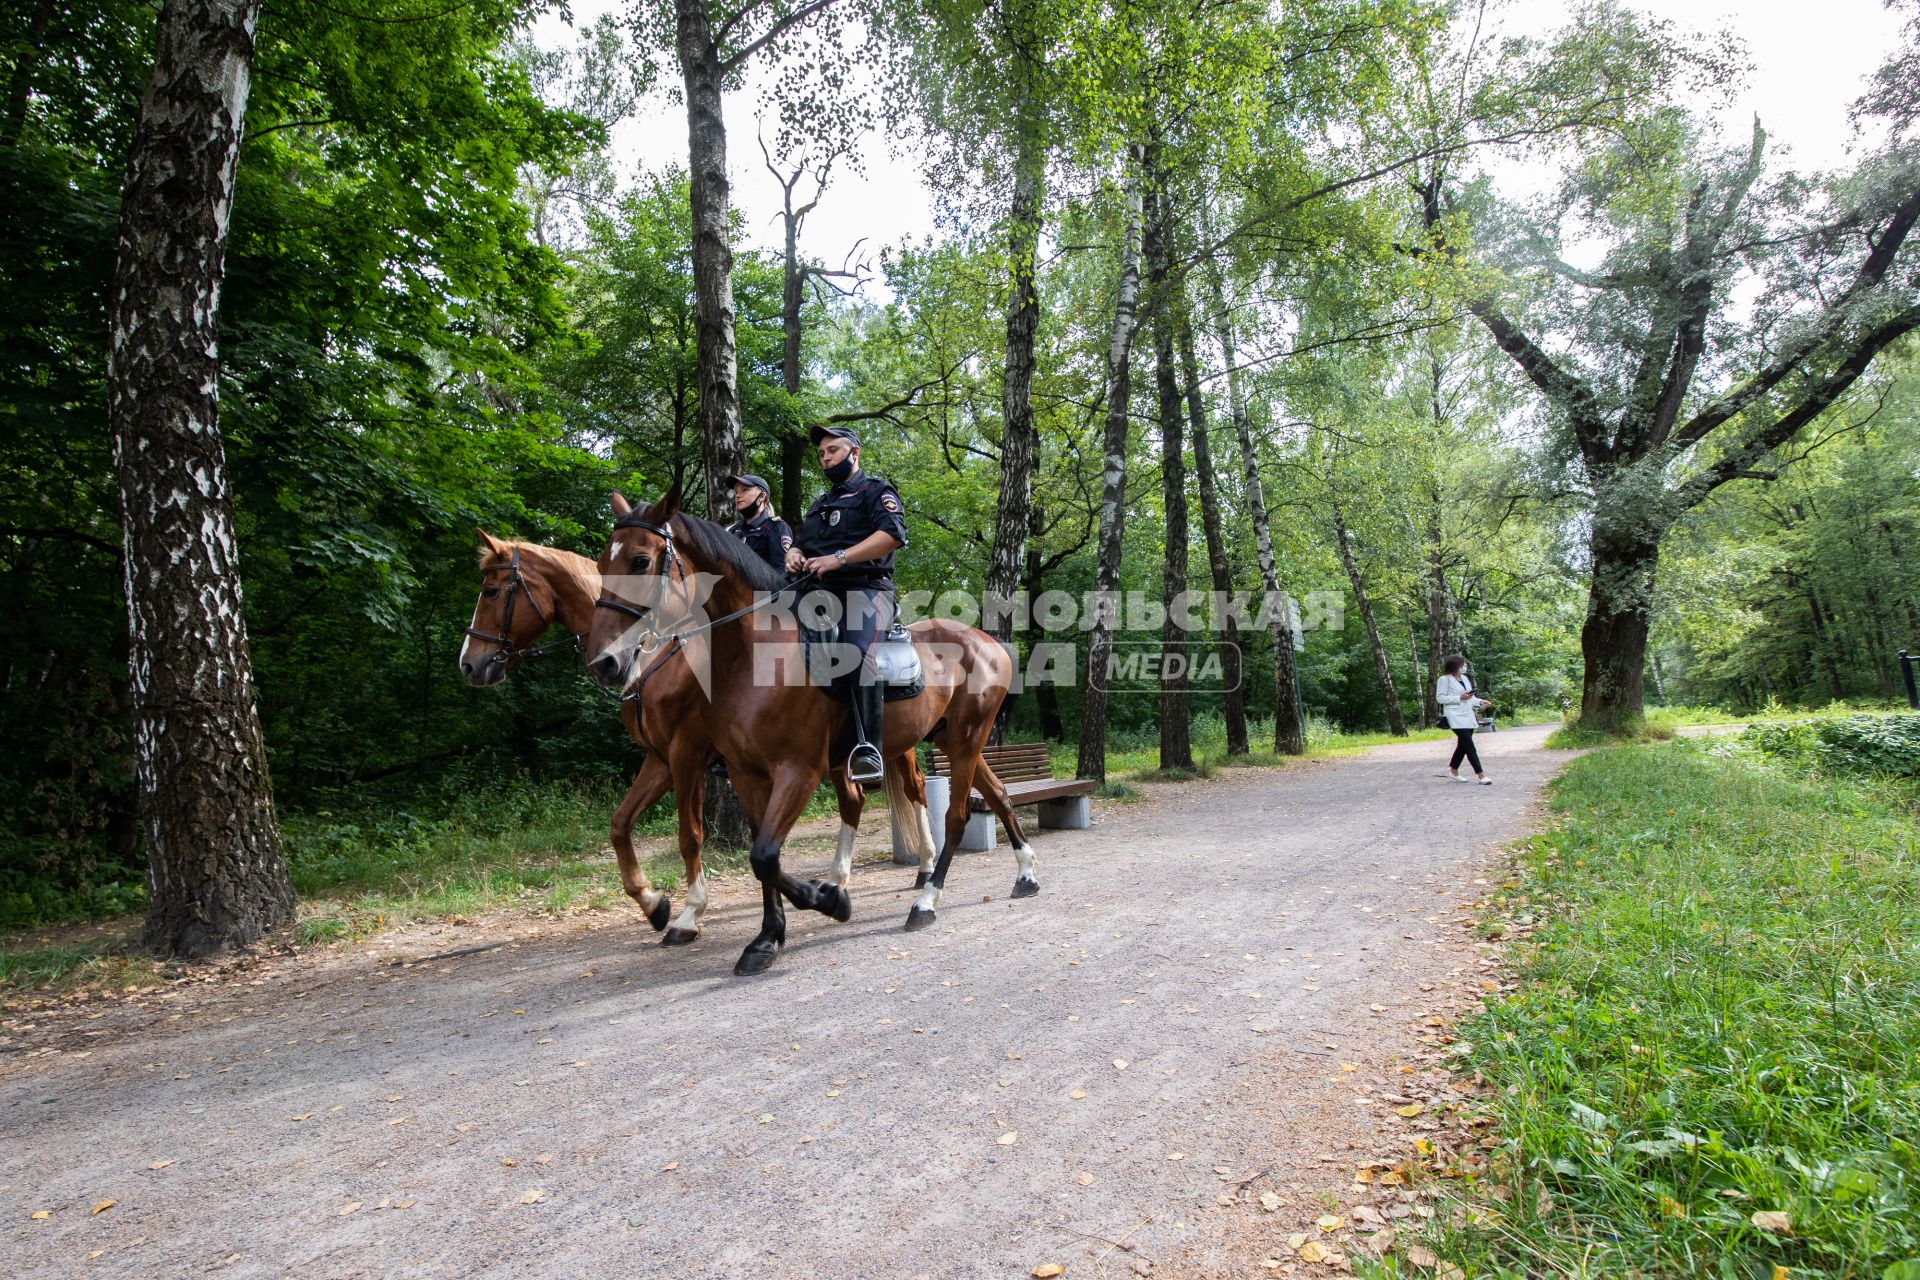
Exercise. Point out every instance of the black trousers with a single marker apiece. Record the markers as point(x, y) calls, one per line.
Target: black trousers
point(1464, 749)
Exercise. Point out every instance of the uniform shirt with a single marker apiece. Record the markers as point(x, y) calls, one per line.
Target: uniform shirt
point(767, 536)
point(845, 515)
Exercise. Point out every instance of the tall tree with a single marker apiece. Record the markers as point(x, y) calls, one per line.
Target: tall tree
point(713, 43)
point(1651, 445)
point(1176, 738)
point(1234, 696)
point(1113, 490)
point(215, 874)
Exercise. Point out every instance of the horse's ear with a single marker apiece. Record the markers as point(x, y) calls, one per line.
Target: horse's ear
point(669, 506)
point(620, 506)
point(489, 545)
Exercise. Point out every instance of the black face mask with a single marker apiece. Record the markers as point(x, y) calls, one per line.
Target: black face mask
point(753, 511)
point(840, 471)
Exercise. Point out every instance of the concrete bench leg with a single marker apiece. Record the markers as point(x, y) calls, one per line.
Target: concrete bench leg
point(1069, 813)
point(980, 835)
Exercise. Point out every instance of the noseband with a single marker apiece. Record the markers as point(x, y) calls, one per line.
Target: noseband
point(517, 587)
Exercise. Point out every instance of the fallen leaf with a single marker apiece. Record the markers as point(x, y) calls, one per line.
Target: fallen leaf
point(1774, 1220)
point(1008, 1138)
point(159, 1164)
point(1313, 1251)
point(1409, 1111)
point(833, 1093)
point(406, 1204)
point(1329, 1221)
point(104, 1205)
point(1176, 1155)
point(306, 1116)
point(1672, 1208)
point(394, 1097)
point(1779, 1272)
point(670, 1166)
point(352, 1208)
point(545, 1157)
point(1269, 1201)
point(765, 1118)
point(1047, 1270)
point(398, 1120)
point(1084, 1179)
point(1368, 1214)
point(508, 1161)
point(1078, 1094)
point(532, 1197)
point(40, 1215)
point(1119, 1064)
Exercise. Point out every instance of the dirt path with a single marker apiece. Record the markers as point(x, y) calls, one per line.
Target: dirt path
point(582, 1103)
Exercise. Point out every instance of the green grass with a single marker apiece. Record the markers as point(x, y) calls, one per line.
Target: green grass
point(1719, 1015)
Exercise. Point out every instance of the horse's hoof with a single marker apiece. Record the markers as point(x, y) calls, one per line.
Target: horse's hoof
point(920, 881)
point(661, 913)
point(833, 900)
point(918, 918)
point(678, 937)
point(1025, 887)
point(757, 958)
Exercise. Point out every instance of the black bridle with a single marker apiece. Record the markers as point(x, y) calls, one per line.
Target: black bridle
point(515, 588)
point(672, 560)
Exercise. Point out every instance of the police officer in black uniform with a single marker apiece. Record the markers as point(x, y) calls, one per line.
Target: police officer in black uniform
point(847, 541)
point(766, 534)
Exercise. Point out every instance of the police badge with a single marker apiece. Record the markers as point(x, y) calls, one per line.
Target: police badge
point(833, 517)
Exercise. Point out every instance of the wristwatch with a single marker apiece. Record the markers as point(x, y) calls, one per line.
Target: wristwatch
point(841, 556)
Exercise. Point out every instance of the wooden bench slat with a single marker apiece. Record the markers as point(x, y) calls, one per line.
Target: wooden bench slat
point(1025, 769)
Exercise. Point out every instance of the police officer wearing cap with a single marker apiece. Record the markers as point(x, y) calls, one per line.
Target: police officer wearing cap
point(765, 534)
point(847, 541)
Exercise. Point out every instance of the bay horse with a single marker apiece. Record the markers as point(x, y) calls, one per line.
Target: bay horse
point(524, 589)
point(775, 733)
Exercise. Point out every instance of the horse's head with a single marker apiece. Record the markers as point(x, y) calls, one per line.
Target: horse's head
point(638, 566)
point(514, 607)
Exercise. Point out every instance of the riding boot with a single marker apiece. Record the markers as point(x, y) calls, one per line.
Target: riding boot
point(864, 765)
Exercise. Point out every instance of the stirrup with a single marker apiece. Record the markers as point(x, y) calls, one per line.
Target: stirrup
point(864, 764)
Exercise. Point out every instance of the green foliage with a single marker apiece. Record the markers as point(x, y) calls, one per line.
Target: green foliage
point(1861, 745)
point(1721, 1014)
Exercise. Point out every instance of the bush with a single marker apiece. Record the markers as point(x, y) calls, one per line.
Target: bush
point(1858, 745)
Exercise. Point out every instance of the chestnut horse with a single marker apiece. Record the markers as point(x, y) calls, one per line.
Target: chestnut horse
point(776, 730)
point(525, 588)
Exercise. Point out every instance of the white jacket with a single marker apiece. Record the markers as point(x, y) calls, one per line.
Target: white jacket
point(1455, 696)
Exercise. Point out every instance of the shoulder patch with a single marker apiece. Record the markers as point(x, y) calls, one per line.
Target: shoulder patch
point(890, 502)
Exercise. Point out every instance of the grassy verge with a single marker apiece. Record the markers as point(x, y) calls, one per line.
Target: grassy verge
point(1712, 1066)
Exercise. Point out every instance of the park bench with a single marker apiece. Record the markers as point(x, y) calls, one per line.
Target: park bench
point(1026, 770)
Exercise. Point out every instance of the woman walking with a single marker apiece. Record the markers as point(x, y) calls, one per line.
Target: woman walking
point(1455, 696)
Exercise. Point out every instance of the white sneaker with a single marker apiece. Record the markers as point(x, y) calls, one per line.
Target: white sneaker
point(1457, 778)
point(1483, 781)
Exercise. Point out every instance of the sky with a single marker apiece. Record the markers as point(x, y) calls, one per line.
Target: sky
point(1808, 63)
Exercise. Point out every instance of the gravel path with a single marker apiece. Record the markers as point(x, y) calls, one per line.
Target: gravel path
point(579, 1102)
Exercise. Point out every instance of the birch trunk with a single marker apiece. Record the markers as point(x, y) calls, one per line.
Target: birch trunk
point(1288, 739)
point(1018, 444)
point(1113, 500)
point(1396, 722)
point(1234, 696)
point(215, 874)
point(721, 451)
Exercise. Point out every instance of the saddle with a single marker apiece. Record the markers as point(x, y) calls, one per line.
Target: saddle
point(895, 661)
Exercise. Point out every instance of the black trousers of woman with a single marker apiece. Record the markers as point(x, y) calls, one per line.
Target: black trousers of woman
point(1463, 749)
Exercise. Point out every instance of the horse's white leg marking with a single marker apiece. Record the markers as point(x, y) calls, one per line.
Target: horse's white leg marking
point(929, 898)
point(650, 899)
point(842, 857)
point(1023, 857)
point(922, 832)
point(696, 905)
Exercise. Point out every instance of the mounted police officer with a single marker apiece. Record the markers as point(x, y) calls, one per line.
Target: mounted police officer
point(847, 541)
point(766, 534)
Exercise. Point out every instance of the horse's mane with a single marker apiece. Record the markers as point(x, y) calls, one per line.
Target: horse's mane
point(715, 543)
point(578, 567)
